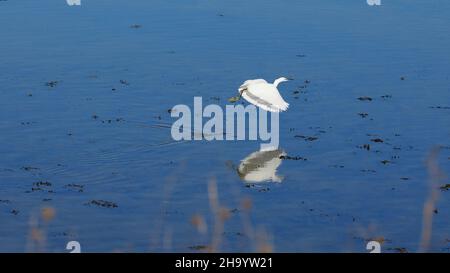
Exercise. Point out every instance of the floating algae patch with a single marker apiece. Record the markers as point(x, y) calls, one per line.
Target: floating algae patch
point(102, 203)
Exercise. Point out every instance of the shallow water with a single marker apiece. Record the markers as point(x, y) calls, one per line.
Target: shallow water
point(119, 66)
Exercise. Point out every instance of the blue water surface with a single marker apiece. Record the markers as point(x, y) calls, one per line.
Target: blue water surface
point(84, 99)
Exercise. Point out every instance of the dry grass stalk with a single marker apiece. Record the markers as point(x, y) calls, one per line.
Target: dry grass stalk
point(435, 177)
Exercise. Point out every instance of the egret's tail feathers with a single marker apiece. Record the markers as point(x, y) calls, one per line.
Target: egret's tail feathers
point(284, 107)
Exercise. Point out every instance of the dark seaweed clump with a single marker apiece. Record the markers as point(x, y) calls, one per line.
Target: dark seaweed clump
point(102, 203)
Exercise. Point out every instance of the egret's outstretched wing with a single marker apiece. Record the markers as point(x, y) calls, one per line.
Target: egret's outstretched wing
point(265, 96)
point(250, 82)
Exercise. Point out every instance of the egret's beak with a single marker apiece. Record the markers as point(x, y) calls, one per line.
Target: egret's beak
point(290, 79)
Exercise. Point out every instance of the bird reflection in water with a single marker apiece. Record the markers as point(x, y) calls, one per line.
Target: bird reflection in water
point(261, 166)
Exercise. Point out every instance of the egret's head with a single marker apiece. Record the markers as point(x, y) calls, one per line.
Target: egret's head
point(280, 80)
point(284, 79)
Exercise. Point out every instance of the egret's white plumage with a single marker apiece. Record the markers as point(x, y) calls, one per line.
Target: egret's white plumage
point(264, 95)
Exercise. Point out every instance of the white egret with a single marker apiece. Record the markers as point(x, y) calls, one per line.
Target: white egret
point(263, 94)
